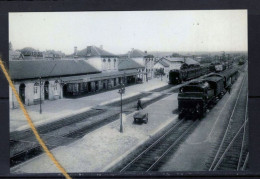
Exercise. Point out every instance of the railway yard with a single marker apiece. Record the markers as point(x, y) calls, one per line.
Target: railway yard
point(90, 141)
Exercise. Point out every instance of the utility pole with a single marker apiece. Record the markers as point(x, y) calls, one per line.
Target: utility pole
point(40, 95)
point(121, 92)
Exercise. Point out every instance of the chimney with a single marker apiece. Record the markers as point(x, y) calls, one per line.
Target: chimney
point(184, 59)
point(75, 51)
point(128, 54)
point(145, 52)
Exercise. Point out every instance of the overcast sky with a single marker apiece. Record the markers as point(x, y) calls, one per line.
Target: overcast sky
point(118, 32)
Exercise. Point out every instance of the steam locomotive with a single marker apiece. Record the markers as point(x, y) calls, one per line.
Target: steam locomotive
point(195, 97)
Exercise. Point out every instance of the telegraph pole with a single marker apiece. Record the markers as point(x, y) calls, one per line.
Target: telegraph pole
point(40, 95)
point(121, 92)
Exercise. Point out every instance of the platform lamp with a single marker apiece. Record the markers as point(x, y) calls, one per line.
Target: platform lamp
point(121, 91)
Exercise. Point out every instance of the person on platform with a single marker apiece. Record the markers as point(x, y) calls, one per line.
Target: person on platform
point(229, 89)
point(139, 104)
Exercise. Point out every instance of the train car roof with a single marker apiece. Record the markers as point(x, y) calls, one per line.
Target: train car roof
point(227, 73)
point(213, 78)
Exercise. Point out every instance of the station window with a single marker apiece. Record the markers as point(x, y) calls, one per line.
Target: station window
point(114, 63)
point(56, 85)
point(35, 88)
point(109, 64)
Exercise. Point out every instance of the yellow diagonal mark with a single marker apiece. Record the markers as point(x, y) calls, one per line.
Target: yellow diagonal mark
point(45, 148)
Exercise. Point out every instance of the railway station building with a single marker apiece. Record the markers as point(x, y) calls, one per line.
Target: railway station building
point(88, 71)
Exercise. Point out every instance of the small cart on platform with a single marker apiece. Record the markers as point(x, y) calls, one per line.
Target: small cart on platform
point(141, 117)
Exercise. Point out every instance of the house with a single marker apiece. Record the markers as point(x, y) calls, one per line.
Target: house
point(177, 63)
point(161, 64)
point(144, 59)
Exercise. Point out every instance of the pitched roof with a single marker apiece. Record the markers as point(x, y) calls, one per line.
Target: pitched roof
point(128, 63)
point(162, 62)
point(135, 53)
point(93, 51)
point(26, 69)
point(174, 59)
point(28, 49)
point(188, 61)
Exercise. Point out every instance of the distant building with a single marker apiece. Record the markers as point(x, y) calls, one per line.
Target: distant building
point(15, 55)
point(52, 54)
point(93, 70)
point(161, 64)
point(144, 59)
point(177, 63)
point(31, 53)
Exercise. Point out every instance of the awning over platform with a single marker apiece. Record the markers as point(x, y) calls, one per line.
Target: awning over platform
point(99, 76)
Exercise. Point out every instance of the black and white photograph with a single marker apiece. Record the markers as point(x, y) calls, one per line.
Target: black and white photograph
point(129, 91)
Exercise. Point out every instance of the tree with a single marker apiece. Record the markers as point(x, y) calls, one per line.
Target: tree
point(175, 55)
point(159, 72)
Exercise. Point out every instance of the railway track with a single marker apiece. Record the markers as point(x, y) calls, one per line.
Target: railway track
point(23, 145)
point(231, 152)
point(157, 150)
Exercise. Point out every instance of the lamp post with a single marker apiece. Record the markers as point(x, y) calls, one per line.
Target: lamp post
point(121, 91)
point(40, 95)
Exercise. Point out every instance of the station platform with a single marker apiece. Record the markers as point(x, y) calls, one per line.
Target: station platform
point(55, 110)
point(103, 148)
